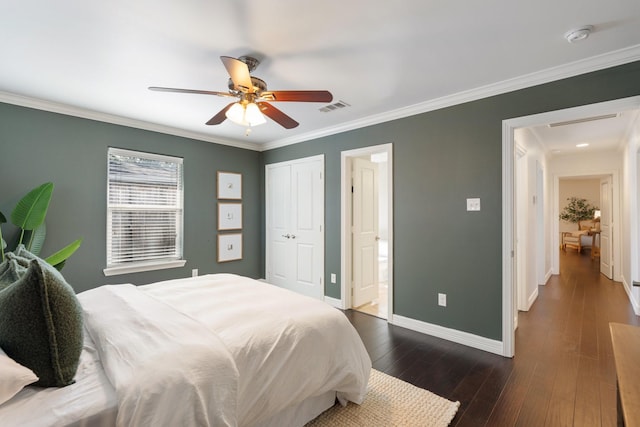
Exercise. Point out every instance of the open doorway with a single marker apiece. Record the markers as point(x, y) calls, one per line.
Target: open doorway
point(590, 236)
point(553, 166)
point(367, 238)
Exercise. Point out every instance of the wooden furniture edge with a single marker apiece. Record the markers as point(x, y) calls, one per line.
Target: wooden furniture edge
point(626, 353)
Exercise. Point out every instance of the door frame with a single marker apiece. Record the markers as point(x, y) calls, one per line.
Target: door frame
point(345, 221)
point(508, 200)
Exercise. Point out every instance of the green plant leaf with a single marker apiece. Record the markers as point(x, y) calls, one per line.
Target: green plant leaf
point(59, 265)
point(3, 244)
point(63, 253)
point(31, 210)
point(36, 239)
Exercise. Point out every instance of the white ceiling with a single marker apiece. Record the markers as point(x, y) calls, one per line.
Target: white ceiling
point(590, 133)
point(385, 59)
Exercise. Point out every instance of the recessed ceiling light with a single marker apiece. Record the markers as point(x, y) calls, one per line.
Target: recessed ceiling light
point(578, 34)
point(582, 145)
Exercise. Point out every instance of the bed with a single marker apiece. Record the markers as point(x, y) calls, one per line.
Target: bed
point(219, 350)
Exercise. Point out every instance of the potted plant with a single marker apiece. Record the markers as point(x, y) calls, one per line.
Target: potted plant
point(29, 215)
point(578, 209)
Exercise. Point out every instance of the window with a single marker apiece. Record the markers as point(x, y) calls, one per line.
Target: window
point(144, 212)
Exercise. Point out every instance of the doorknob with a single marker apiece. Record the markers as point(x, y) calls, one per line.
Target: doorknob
point(286, 236)
point(293, 236)
point(377, 238)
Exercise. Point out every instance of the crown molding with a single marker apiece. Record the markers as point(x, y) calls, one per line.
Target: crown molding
point(69, 110)
point(594, 63)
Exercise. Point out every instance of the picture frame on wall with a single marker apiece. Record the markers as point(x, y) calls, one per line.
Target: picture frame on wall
point(229, 247)
point(229, 216)
point(229, 185)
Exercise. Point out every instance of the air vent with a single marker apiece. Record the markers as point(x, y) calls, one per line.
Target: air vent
point(335, 106)
point(584, 120)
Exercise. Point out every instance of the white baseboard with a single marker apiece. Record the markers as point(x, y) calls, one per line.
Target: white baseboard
point(532, 298)
point(634, 302)
point(334, 302)
point(548, 276)
point(460, 337)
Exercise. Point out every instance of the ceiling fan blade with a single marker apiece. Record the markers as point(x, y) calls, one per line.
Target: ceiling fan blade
point(277, 116)
point(298, 95)
point(196, 91)
point(220, 117)
point(239, 73)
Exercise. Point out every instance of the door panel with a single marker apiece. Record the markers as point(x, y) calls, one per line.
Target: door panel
point(606, 266)
point(305, 269)
point(365, 231)
point(303, 180)
point(279, 264)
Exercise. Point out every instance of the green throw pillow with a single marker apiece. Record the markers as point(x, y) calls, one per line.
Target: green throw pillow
point(41, 324)
point(22, 261)
point(10, 271)
point(22, 251)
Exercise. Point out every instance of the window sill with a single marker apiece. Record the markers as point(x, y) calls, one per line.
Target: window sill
point(137, 268)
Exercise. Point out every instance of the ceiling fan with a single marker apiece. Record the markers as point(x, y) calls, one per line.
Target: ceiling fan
point(254, 100)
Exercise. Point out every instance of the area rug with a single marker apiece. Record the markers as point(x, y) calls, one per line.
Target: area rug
point(391, 402)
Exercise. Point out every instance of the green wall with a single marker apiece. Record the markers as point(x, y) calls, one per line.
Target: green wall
point(440, 159)
point(38, 146)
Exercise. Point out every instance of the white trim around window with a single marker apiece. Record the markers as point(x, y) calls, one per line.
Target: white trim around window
point(145, 203)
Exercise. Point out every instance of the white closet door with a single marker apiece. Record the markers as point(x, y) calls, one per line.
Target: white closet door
point(295, 218)
point(278, 218)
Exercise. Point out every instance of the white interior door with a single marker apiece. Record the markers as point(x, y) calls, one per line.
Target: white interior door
point(606, 266)
point(365, 231)
point(295, 218)
point(278, 200)
point(307, 197)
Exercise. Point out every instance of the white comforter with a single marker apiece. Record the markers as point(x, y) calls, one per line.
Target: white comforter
point(166, 368)
point(243, 350)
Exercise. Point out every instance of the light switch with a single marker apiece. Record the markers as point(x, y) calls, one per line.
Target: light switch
point(442, 300)
point(473, 204)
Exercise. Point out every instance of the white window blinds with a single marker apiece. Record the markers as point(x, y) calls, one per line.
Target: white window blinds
point(144, 208)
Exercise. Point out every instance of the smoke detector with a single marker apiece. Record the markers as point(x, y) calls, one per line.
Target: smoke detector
point(577, 34)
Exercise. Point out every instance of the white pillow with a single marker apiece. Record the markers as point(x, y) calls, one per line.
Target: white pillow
point(13, 377)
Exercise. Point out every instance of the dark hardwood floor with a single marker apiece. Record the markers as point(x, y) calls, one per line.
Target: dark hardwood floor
point(563, 372)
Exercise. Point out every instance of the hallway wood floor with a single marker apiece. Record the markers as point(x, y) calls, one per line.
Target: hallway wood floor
point(563, 373)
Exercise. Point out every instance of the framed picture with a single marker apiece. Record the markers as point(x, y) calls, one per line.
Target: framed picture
point(229, 216)
point(229, 185)
point(229, 247)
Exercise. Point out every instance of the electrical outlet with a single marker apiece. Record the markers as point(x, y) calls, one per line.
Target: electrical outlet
point(473, 204)
point(442, 300)
point(333, 277)
point(194, 272)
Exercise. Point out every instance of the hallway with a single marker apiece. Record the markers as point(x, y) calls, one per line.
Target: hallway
point(563, 373)
point(563, 346)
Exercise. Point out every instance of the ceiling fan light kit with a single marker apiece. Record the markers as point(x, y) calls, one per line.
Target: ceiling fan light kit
point(578, 34)
point(252, 96)
point(245, 115)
